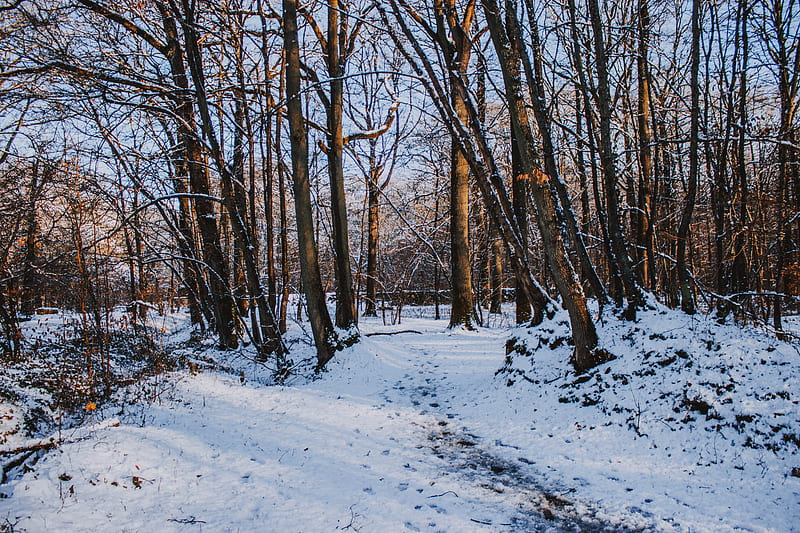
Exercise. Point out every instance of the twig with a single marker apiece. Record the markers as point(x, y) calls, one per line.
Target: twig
point(353, 516)
point(190, 520)
point(442, 494)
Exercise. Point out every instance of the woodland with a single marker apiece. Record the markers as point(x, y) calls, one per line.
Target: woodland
point(225, 156)
point(537, 261)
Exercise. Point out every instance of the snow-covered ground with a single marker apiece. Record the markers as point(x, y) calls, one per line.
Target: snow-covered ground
point(693, 427)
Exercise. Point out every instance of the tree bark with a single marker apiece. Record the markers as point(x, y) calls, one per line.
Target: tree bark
point(271, 342)
point(346, 316)
point(269, 170)
point(591, 143)
point(519, 191)
point(644, 224)
point(496, 273)
point(684, 277)
point(534, 75)
point(788, 86)
point(29, 290)
point(193, 162)
point(321, 325)
point(583, 331)
point(373, 237)
point(462, 312)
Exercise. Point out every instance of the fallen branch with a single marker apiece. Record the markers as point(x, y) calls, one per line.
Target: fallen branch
point(376, 333)
point(45, 445)
point(14, 463)
point(53, 442)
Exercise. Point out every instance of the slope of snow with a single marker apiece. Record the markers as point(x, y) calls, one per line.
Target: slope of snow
point(62, 369)
point(695, 424)
point(436, 430)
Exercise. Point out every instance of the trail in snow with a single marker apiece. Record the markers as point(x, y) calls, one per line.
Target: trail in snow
point(375, 445)
point(414, 432)
point(445, 364)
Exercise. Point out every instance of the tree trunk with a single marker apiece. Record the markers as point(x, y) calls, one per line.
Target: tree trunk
point(583, 330)
point(269, 170)
point(9, 323)
point(234, 199)
point(644, 214)
point(321, 325)
point(620, 254)
point(583, 86)
point(29, 291)
point(496, 274)
point(789, 174)
point(346, 316)
point(519, 191)
point(241, 290)
point(282, 208)
point(462, 312)
point(197, 290)
point(474, 144)
point(684, 278)
point(194, 161)
point(739, 270)
point(537, 97)
point(373, 237)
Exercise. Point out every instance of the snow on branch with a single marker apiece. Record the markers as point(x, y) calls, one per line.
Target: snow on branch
point(377, 132)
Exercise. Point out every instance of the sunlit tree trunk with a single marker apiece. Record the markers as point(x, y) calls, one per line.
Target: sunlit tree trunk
point(321, 325)
point(644, 215)
point(462, 312)
point(336, 57)
point(584, 335)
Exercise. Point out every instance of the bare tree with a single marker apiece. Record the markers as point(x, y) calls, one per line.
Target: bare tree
point(607, 155)
point(321, 325)
point(687, 298)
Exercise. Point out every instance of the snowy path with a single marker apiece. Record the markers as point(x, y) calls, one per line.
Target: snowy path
point(414, 432)
point(448, 378)
point(378, 444)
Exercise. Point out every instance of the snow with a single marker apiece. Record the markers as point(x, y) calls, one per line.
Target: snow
point(440, 431)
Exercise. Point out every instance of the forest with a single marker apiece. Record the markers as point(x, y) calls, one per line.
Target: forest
point(299, 177)
point(226, 156)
